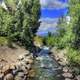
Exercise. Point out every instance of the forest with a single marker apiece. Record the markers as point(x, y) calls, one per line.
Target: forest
point(19, 22)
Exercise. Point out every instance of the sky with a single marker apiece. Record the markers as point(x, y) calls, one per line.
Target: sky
point(53, 8)
point(51, 11)
point(53, 3)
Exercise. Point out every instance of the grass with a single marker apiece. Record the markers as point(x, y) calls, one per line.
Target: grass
point(73, 56)
point(3, 41)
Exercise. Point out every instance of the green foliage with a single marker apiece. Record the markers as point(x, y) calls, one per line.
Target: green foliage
point(20, 22)
point(3, 41)
point(73, 56)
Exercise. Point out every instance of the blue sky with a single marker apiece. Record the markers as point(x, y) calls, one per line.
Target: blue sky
point(63, 0)
point(53, 8)
point(51, 11)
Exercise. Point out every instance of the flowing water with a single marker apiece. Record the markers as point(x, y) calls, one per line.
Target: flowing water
point(45, 66)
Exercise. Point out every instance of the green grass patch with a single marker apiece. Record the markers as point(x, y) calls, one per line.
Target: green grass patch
point(73, 56)
point(3, 41)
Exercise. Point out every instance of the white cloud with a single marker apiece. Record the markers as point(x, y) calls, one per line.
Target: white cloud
point(52, 4)
point(43, 2)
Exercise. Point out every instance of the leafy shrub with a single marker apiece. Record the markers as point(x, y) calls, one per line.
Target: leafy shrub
point(3, 41)
point(73, 56)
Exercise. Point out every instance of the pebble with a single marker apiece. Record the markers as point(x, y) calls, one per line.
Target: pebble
point(9, 77)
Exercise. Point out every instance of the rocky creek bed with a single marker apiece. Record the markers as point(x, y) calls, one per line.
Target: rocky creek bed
point(43, 67)
point(17, 71)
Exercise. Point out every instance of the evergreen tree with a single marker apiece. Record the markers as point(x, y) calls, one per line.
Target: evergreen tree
point(21, 21)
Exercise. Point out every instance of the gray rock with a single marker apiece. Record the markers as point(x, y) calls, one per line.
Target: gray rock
point(20, 76)
point(68, 79)
point(26, 54)
point(67, 75)
point(24, 70)
point(78, 77)
point(21, 57)
point(65, 69)
point(14, 72)
point(1, 76)
point(9, 77)
point(28, 61)
point(28, 66)
point(1, 66)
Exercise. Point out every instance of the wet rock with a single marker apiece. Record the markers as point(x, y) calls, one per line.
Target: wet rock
point(9, 77)
point(67, 75)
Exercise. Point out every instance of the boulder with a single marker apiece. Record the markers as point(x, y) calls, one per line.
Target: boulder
point(12, 66)
point(1, 76)
point(28, 61)
point(21, 57)
point(6, 69)
point(9, 77)
point(26, 54)
point(65, 69)
point(67, 75)
point(32, 73)
point(25, 70)
point(20, 76)
point(78, 77)
point(28, 66)
point(68, 79)
point(29, 57)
